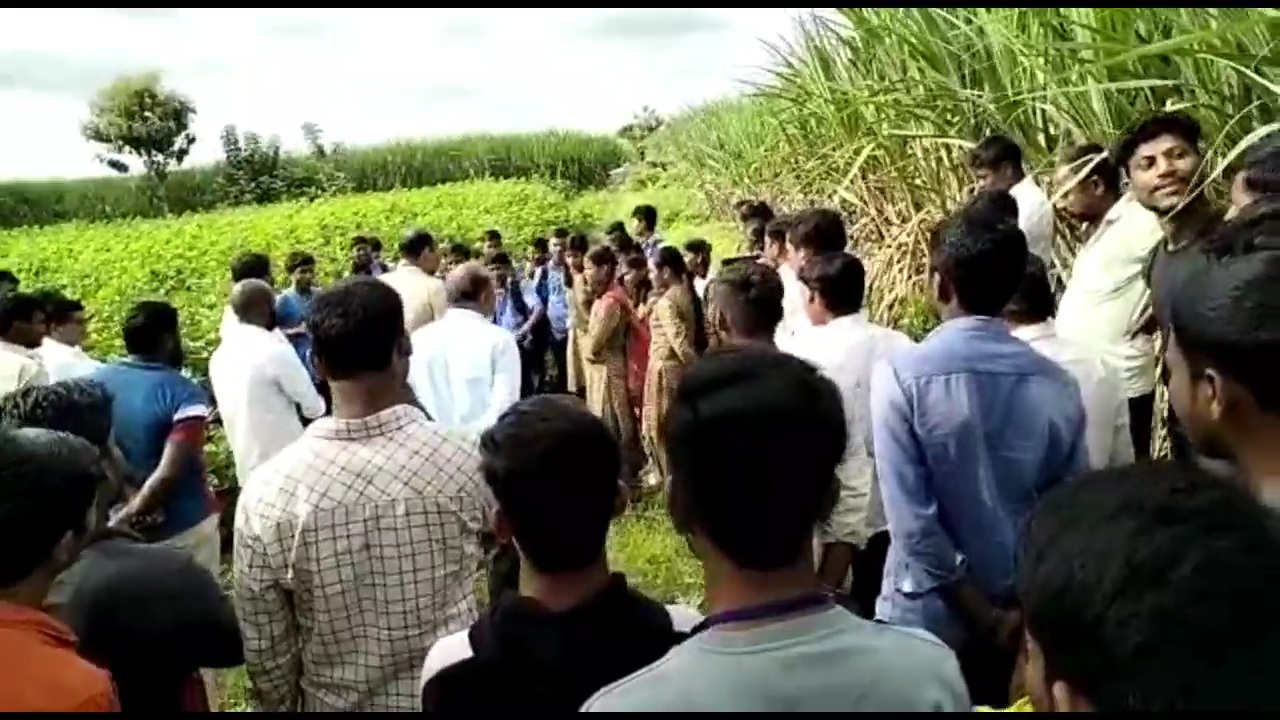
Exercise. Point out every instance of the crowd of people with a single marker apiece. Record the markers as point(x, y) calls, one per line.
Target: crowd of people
point(974, 519)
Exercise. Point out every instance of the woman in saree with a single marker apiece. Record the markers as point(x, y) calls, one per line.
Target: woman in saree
point(676, 337)
point(604, 356)
point(580, 298)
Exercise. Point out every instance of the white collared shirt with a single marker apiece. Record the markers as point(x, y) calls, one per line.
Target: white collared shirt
point(1035, 217)
point(422, 294)
point(795, 320)
point(846, 350)
point(260, 385)
point(65, 362)
point(1107, 296)
point(19, 367)
point(1106, 409)
point(464, 369)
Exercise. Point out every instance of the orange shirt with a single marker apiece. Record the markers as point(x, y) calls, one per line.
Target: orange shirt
point(40, 670)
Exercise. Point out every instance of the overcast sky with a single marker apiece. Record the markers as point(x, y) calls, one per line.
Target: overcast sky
point(366, 76)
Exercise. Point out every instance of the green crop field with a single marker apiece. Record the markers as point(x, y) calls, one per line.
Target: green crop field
point(869, 111)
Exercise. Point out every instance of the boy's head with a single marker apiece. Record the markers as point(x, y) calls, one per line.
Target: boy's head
point(977, 260)
point(1161, 156)
point(837, 284)
point(1145, 589)
point(554, 469)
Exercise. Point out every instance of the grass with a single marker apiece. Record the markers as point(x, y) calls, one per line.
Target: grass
point(570, 159)
point(642, 544)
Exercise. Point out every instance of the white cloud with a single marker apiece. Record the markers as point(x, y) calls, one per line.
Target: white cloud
point(368, 75)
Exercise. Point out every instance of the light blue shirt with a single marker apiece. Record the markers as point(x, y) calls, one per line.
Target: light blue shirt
point(557, 300)
point(971, 427)
point(505, 313)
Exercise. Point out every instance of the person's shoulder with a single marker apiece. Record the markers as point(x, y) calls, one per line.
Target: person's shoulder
point(920, 665)
point(683, 617)
point(649, 689)
point(446, 652)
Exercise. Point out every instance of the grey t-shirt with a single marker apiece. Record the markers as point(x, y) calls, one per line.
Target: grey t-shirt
point(827, 661)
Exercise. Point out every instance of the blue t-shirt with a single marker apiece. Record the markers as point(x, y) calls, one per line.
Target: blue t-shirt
point(291, 311)
point(147, 401)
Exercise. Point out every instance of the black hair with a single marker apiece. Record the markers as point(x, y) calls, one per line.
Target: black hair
point(699, 247)
point(364, 240)
point(994, 152)
point(983, 257)
point(749, 296)
point(459, 251)
point(839, 279)
point(59, 309)
point(7, 277)
point(996, 204)
point(1177, 124)
point(1260, 164)
point(500, 259)
point(356, 327)
point(79, 407)
point(540, 246)
point(19, 307)
point(1091, 160)
point(776, 230)
point(492, 236)
point(758, 509)
point(671, 259)
point(1226, 315)
point(375, 244)
point(48, 483)
point(579, 243)
point(553, 468)
point(1145, 589)
point(299, 259)
point(646, 214)
point(415, 243)
point(755, 229)
point(748, 210)
point(818, 230)
point(603, 255)
point(1033, 302)
point(250, 266)
point(561, 233)
point(147, 326)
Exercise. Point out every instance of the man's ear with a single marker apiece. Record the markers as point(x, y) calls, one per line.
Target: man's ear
point(502, 527)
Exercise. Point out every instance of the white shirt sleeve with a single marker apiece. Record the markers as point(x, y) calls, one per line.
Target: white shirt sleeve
point(506, 378)
point(295, 381)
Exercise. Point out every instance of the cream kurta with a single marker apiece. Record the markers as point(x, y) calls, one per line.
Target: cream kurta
point(604, 360)
point(671, 348)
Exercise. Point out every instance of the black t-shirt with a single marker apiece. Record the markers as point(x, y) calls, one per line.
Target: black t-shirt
point(151, 616)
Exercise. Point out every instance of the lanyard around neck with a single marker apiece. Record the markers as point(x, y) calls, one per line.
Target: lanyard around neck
point(767, 611)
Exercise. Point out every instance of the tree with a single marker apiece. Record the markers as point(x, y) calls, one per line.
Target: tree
point(643, 124)
point(137, 116)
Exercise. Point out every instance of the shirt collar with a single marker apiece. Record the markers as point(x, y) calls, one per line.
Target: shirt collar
point(971, 323)
point(17, 349)
point(382, 423)
point(35, 621)
point(1032, 333)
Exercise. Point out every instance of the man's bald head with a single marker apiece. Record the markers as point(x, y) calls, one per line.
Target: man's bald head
point(470, 285)
point(253, 301)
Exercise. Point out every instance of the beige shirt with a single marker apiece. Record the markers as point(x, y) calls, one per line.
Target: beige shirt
point(1106, 409)
point(422, 294)
point(19, 367)
point(356, 549)
point(1107, 296)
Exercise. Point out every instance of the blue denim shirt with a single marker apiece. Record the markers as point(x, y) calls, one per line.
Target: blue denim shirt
point(557, 300)
point(291, 311)
point(505, 313)
point(971, 427)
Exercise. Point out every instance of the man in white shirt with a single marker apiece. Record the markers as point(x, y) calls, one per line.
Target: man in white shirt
point(465, 370)
point(22, 328)
point(810, 233)
point(1030, 318)
point(1107, 297)
point(414, 279)
point(845, 347)
point(996, 163)
point(60, 351)
point(258, 381)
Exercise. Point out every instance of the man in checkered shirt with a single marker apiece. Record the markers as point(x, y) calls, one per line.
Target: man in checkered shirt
point(357, 546)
